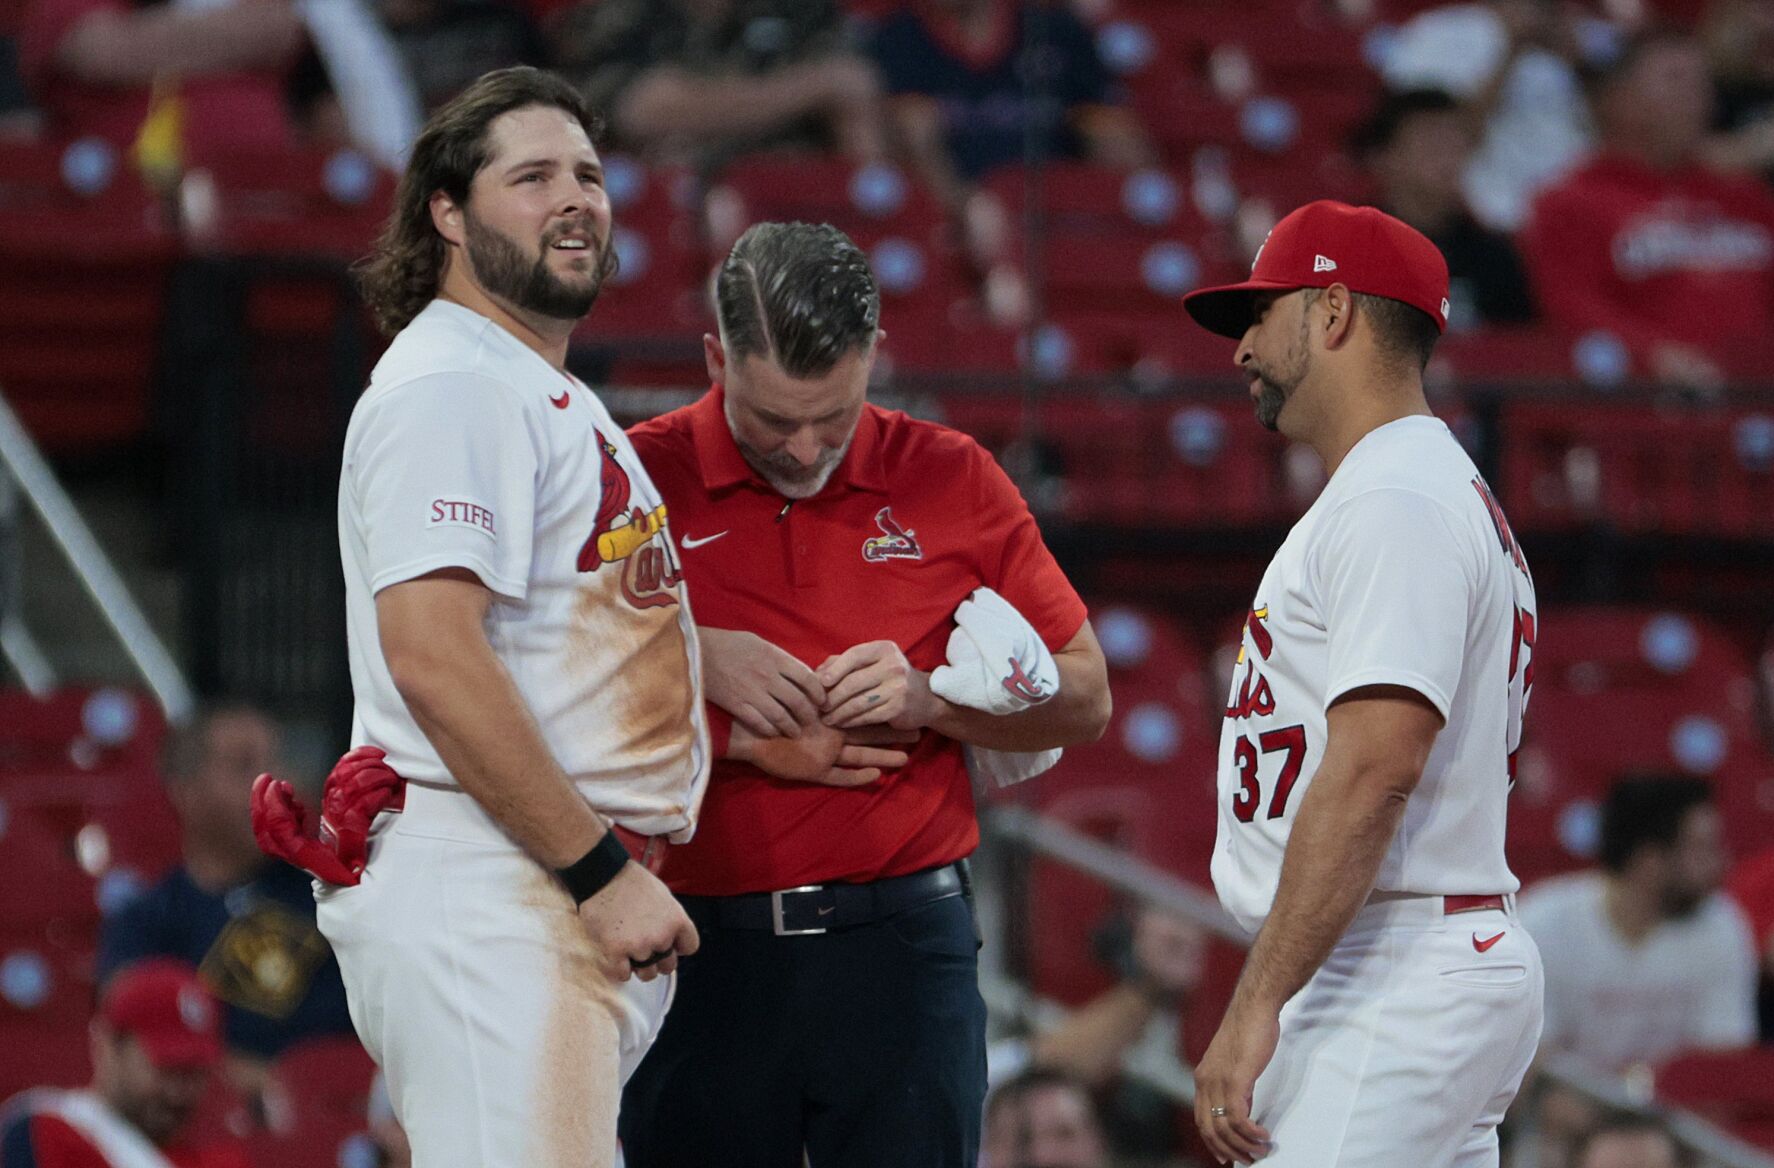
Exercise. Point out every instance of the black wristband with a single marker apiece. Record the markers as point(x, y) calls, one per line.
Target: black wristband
point(587, 875)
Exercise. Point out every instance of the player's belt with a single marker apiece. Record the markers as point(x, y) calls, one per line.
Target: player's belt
point(1449, 904)
point(821, 908)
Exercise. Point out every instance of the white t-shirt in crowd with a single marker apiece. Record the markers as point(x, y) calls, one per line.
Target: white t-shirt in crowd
point(468, 450)
point(1539, 127)
point(1690, 984)
point(1403, 572)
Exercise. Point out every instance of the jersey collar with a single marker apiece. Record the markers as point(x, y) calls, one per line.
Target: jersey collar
point(721, 464)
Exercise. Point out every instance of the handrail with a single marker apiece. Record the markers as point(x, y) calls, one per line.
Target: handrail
point(1023, 828)
point(20, 456)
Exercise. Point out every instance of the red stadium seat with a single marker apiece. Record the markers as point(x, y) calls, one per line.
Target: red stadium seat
point(1734, 1089)
point(328, 1081)
point(87, 256)
point(660, 291)
point(95, 728)
point(284, 203)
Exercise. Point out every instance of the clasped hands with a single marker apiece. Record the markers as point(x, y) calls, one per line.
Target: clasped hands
point(834, 725)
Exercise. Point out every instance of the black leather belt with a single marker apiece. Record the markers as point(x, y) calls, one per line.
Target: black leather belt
point(821, 908)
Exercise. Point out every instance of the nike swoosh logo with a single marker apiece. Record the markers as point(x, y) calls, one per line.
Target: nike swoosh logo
point(826, 912)
point(561, 402)
point(1484, 946)
point(688, 543)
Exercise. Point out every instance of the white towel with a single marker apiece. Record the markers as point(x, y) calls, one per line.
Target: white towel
point(997, 663)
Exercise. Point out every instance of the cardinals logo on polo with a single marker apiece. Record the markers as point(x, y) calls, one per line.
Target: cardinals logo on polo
point(627, 534)
point(894, 542)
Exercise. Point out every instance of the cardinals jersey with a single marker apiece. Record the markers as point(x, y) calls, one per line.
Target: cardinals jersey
point(1403, 572)
point(469, 450)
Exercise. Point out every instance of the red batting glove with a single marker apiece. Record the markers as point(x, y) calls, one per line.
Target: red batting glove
point(280, 825)
point(360, 786)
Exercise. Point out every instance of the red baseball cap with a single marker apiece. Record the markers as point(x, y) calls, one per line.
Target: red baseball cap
point(1327, 243)
point(161, 1003)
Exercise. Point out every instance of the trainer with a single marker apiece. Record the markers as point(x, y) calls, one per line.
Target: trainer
point(833, 1010)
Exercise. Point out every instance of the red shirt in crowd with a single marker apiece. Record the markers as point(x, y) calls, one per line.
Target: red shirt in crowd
point(915, 518)
point(47, 1141)
point(1656, 257)
point(245, 110)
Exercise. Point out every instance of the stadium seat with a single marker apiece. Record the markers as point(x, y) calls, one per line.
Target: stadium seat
point(87, 257)
point(328, 1081)
point(660, 291)
point(283, 203)
point(94, 728)
point(1734, 1089)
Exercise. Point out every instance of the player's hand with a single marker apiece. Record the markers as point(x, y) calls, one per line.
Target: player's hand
point(1226, 1077)
point(766, 690)
point(823, 755)
point(872, 684)
point(637, 926)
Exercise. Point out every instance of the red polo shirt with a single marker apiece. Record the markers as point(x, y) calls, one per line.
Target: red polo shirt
point(915, 519)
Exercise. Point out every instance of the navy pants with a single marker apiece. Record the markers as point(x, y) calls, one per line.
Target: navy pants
point(863, 1046)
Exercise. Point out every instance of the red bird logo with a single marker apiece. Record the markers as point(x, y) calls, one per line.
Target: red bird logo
point(894, 542)
point(613, 499)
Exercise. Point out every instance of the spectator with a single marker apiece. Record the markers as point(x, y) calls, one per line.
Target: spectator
point(1042, 1119)
point(1645, 242)
point(1510, 64)
point(214, 72)
point(246, 921)
point(1645, 958)
point(1628, 1141)
point(964, 87)
point(155, 1044)
point(686, 79)
point(1739, 40)
point(1416, 146)
point(448, 43)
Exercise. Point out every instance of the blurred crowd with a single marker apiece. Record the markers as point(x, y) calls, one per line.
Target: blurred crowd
point(1599, 167)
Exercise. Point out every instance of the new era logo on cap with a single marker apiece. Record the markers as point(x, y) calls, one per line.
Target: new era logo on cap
point(1376, 254)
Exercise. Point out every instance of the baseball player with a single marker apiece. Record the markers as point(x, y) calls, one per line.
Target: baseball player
point(1391, 1002)
point(521, 652)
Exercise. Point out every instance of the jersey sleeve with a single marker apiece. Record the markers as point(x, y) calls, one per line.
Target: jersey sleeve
point(444, 474)
point(1395, 584)
point(1015, 562)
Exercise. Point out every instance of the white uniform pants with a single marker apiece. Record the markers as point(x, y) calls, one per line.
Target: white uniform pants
point(473, 984)
point(1406, 1047)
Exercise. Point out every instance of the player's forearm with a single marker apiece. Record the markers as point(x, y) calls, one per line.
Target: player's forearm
point(1344, 826)
point(1079, 712)
point(469, 708)
point(1091, 1042)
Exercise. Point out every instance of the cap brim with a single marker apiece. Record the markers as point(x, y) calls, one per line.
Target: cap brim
point(1229, 309)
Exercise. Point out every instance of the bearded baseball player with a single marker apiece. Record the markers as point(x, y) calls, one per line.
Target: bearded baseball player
point(521, 652)
point(1391, 1001)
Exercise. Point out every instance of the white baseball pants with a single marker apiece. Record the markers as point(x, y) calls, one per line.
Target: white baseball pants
point(474, 986)
point(1407, 1046)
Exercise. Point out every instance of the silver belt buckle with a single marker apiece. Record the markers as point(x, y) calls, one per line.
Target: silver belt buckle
point(776, 922)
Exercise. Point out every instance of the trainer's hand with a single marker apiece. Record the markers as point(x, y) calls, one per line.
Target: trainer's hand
point(820, 754)
point(1225, 1078)
point(767, 690)
point(872, 684)
point(632, 920)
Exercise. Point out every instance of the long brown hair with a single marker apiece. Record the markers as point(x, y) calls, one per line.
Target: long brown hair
point(402, 275)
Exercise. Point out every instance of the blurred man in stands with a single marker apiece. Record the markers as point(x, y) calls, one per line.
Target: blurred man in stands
point(1042, 1119)
point(245, 920)
point(1646, 958)
point(213, 71)
point(1512, 66)
point(1739, 40)
point(1644, 241)
point(1415, 146)
point(1628, 1141)
point(155, 1044)
point(687, 80)
point(967, 93)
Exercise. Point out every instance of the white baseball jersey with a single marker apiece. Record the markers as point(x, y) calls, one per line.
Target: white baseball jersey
point(1403, 572)
point(469, 450)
